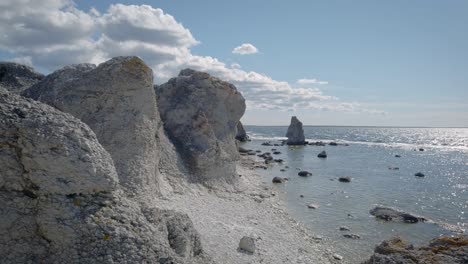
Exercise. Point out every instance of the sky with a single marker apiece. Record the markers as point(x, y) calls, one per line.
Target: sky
point(361, 63)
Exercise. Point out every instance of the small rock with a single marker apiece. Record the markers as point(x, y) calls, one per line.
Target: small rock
point(421, 149)
point(344, 179)
point(333, 144)
point(278, 180)
point(338, 257)
point(302, 196)
point(344, 228)
point(352, 236)
point(322, 154)
point(419, 174)
point(313, 206)
point(247, 244)
point(277, 152)
point(283, 170)
point(397, 156)
point(278, 160)
point(304, 173)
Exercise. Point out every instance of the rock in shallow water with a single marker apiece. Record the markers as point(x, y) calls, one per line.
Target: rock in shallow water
point(441, 250)
point(390, 214)
point(295, 133)
point(344, 179)
point(304, 173)
point(322, 154)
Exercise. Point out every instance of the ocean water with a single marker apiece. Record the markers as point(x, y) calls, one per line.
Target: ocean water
point(441, 196)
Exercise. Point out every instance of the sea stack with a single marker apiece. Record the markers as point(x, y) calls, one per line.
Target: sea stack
point(295, 132)
point(200, 115)
point(241, 134)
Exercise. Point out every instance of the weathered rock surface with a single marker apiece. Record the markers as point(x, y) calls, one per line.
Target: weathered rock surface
point(295, 133)
point(200, 115)
point(60, 201)
point(117, 100)
point(442, 250)
point(16, 77)
point(241, 134)
point(247, 244)
point(390, 214)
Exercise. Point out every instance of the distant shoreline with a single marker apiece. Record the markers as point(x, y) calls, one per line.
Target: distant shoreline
point(352, 126)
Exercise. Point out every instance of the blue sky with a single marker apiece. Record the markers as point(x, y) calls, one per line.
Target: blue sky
point(394, 63)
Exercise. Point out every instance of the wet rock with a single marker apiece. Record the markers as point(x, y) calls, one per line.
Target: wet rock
point(344, 179)
point(397, 156)
point(302, 196)
point(241, 134)
point(313, 206)
point(391, 214)
point(247, 244)
point(200, 114)
point(295, 133)
point(317, 143)
point(266, 144)
point(304, 173)
point(283, 170)
point(322, 154)
point(17, 77)
point(421, 149)
point(438, 251)
point(243, 150)
point(352, 236)
point(333, 144)
point(278, 160)
point(419, 174)
point(278, 180)
point(276, 152)
point(344, 228)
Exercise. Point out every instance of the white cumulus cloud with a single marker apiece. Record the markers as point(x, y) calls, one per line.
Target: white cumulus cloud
point(310, 81)
point(245, 49)
point(53, 33)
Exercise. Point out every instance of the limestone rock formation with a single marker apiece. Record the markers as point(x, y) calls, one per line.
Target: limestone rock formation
point(295, 133)
point(60, 201)
point(200, 114)
point(16, 77)
point(116, 99)
point(241, 134)
point(439, 251)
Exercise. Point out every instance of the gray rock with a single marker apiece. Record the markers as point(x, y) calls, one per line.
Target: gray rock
point(344, 179)
point(391, 214)
point(337, 257)
point(352, 236)
point(278, 180)
point(419, 174)
point(344, 228)
point(241, 134)
point(322, 154)
point(200, 115)
point(16, 77)
point(60, 201)
point(295, 133)
point(438, 251)
point(304, 173)
point(313, 206)
point(247, 244)
point(117, 100)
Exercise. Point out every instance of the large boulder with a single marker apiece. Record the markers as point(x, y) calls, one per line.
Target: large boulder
point(117, 100)
point(295, 133)
point(241, 134)
point(200, 114)
point(17, 77)
point(439, 251)
point(60, 201)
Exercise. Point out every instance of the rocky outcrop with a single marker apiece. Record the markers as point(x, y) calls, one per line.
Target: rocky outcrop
point(200, 114)
point(295, 133)
point(60, 201)
point(16, 77)
point(439, 251)
point(116, 99)
point(390, 214)
point(241, 134)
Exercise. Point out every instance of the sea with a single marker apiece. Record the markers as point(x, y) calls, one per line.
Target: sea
point(367, 155)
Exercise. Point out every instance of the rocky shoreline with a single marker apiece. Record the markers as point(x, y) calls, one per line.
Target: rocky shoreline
point(99, 165)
